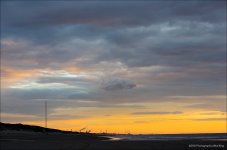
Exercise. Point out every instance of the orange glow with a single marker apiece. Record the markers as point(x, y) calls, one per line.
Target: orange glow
point(72, 69)
point(127, 124)
point(14, 75)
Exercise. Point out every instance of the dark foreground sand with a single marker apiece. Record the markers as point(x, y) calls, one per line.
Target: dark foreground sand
point(60, 141)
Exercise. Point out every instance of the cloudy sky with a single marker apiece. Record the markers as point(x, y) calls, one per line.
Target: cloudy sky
point(123, 66)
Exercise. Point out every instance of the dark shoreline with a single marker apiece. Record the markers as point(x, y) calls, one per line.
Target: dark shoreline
point(60, 141)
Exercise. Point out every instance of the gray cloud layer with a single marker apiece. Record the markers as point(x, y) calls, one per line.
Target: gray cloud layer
point(155, 49)
point(112, 13)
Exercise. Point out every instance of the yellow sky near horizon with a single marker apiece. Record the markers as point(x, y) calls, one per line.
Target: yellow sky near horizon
point(99, 125)
point(138, 124)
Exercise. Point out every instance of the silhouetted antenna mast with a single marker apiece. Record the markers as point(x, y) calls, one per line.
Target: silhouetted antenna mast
point(45, 114)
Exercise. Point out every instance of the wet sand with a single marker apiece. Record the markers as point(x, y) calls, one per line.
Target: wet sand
point(60, 141)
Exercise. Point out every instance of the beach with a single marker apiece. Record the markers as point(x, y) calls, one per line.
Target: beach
point(16, 140)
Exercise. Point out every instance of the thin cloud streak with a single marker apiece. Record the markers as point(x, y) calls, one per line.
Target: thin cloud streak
point(157, 113)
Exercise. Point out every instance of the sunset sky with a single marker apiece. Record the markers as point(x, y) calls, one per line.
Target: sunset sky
point(124, 66)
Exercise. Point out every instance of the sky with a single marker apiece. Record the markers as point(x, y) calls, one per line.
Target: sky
point(115, 66)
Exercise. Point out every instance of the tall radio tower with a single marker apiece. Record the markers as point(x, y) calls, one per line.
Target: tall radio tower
point(45, 114)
